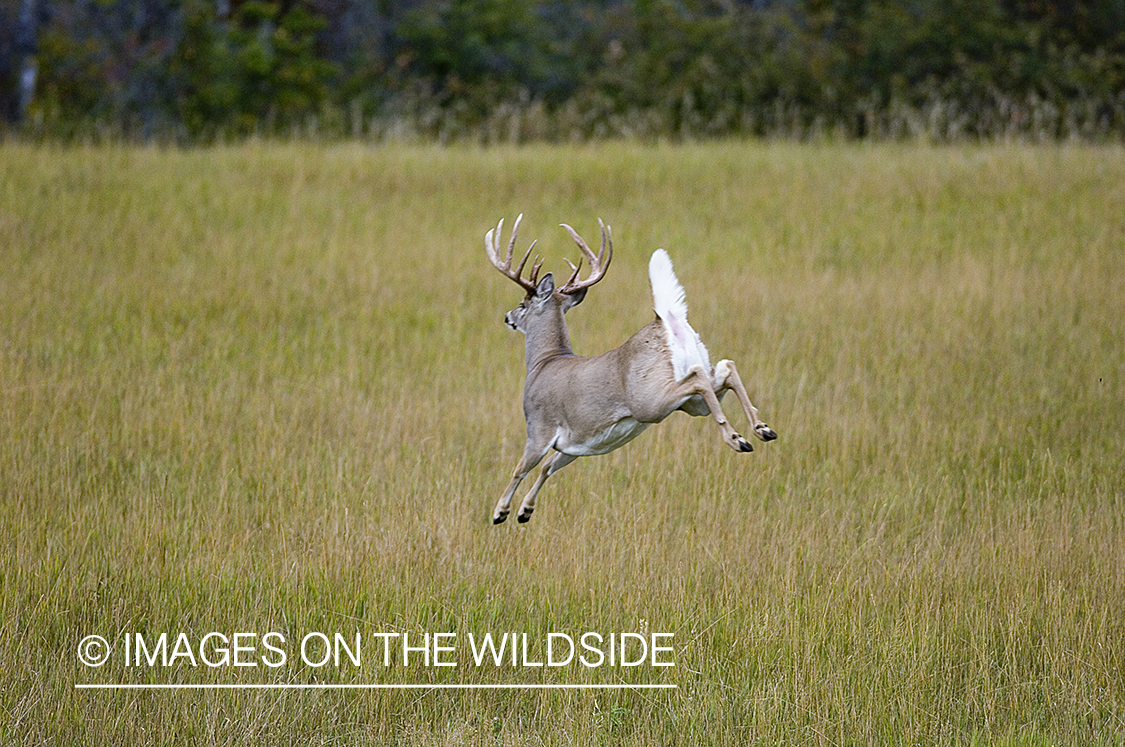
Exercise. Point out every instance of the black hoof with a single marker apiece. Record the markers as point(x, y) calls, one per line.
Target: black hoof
point(765, 432)
point(523, 518)
point(742, 444)
point(499, 519)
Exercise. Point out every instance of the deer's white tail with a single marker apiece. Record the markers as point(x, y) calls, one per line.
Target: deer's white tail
point(668, 301)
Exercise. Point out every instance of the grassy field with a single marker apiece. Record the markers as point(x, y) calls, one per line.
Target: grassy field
point(268, 388)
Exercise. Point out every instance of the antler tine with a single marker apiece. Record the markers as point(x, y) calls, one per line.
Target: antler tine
point(581, 243)
point(607, 243)
point(533, 278)
point(598, 264)
point(515, 232)
point(492, 248)
point(523, 262)
point(576, 269)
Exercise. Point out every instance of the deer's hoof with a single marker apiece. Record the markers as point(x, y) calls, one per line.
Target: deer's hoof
point(764, 432)
point(499, 517)
point(523, 517)
point(738, 443)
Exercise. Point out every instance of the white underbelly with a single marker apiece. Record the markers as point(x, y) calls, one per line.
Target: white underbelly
point(618, 434)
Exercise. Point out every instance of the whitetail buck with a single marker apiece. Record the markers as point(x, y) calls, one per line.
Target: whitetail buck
point(583, 406)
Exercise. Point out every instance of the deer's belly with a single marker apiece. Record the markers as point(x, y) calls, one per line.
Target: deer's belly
point(618, 434)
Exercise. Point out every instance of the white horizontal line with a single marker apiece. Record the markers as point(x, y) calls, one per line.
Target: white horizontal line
point(366, 686)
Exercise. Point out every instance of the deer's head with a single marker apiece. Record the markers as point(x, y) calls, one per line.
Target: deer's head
point(544, 305)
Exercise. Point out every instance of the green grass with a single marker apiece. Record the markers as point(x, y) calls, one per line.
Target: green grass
point(269, 388)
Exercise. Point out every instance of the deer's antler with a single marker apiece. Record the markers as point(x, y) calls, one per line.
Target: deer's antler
point(598, 264)
point(492, 247)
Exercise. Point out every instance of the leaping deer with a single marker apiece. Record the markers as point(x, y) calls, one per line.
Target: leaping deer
point(584, 406)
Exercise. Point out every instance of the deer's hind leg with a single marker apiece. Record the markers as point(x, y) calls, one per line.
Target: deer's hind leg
point(726, 377)
point(698, 381)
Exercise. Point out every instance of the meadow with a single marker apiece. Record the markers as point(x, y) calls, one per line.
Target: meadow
point(268, 387)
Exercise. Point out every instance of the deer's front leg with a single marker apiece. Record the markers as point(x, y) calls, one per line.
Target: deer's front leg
point(531, 456)
point(555, 462)
point(698, 382)
point(727, 377)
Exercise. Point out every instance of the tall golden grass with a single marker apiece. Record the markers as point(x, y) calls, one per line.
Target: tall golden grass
point(268, 387)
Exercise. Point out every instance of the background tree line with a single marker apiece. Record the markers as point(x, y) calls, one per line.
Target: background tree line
point(491, 70)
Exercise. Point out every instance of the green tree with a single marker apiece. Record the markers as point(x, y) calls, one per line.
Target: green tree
point(257, 71)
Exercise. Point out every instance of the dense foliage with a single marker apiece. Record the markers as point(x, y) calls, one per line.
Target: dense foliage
point(194, 70)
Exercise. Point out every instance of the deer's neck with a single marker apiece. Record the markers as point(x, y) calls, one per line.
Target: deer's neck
point(547, 341)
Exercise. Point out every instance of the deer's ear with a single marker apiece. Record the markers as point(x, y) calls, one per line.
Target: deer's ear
point(546, 286)
point(570, 300)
